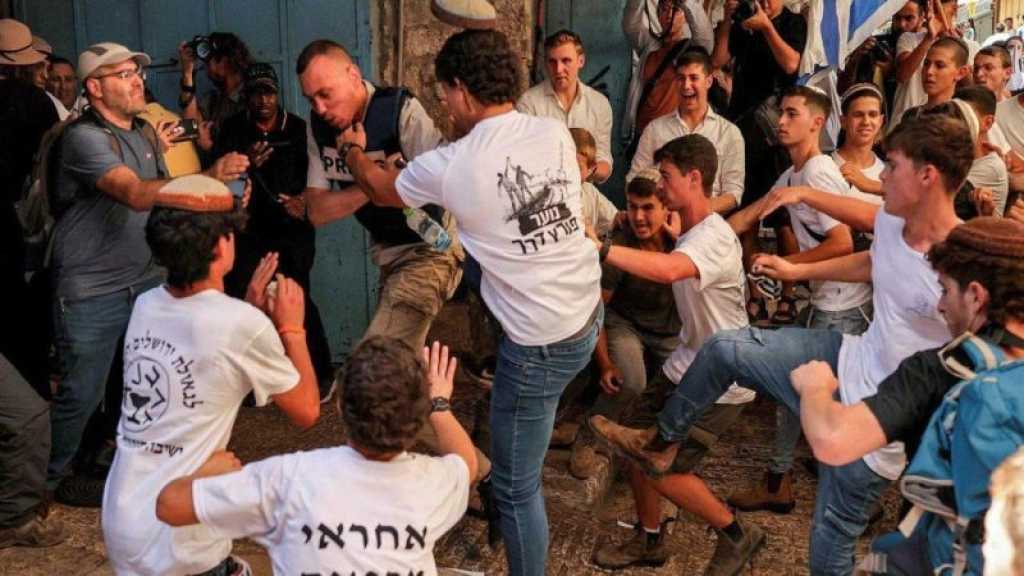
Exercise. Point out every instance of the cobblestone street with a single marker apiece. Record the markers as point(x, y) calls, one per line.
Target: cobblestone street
point(581, 515)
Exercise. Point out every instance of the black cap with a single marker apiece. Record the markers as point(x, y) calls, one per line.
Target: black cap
point(261, 75)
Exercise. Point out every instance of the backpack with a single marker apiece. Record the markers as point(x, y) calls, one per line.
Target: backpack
point(44, 203)
point(978, 425)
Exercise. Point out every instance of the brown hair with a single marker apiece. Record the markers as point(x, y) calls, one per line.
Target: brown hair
point(989, 251)
point(318, 48)
point(692, 152)
point(813, 99)
point(384, 400)
point(645, 185)
point(585, 144)
point(564, 37)
point(939, 140)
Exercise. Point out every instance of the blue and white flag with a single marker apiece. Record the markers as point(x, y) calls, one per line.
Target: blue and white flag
point(835, 28)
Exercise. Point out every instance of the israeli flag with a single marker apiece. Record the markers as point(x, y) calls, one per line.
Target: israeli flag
point(835, 28)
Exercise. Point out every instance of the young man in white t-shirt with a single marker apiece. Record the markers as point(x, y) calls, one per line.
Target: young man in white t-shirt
point(862, 119)
point(988, 170)
point(911, 52)
point(513, 186)
point(709, 286)
point(370, 507)
point(191, 355)
point(928, 159)
point(844, 307)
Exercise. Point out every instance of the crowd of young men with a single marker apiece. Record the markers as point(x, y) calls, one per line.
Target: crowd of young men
point(206, 309)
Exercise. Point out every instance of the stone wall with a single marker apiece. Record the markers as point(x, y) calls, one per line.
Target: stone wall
point(422, 36)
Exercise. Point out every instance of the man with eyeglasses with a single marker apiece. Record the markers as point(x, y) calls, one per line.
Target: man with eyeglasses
point(108, 170)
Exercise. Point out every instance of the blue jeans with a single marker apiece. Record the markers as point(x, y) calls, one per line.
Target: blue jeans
point(88, 332)
point(527, 385)
point(787, 424)
point(762, 360)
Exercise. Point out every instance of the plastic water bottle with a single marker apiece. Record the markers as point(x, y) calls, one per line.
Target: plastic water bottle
point(429, 230)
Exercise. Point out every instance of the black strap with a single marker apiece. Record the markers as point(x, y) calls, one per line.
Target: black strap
point(676, 50)
point(999, 335)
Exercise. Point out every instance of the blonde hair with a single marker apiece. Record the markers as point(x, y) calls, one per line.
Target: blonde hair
point(585, 144)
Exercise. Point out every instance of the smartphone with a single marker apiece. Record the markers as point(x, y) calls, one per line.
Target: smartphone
point(237, 187)
point(185, 129)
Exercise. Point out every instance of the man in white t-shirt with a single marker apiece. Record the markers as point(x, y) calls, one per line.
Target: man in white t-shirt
point(862, 119)
point(191, 355)
point(695, 116)
point(513, 186)
point(992, 69)
point(709, 286)
point(564, 97)
point(843, 307)
point(370, 507)
point(911, 50)
point(928, 159)
point(988, 170)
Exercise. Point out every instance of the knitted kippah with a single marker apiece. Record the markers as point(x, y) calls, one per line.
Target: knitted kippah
point(651, 174)
point(990, 235)
point(473, 14)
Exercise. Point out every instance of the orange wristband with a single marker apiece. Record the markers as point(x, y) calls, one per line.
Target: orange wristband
point(283, 330)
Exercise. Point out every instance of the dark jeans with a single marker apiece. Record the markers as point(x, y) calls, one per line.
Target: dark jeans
point(87, 332)
point(295, 261)
point(24, 447)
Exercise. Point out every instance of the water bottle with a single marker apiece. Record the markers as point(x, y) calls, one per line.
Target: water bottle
point(429, 230)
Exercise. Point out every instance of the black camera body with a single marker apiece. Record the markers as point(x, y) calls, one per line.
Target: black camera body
point(201, 46)
point(744, 11)
point(884, 48)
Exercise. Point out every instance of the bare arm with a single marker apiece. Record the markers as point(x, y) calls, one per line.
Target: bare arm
point(326, 206)
point(653, 266)
point(837, 434)
point(723, 204)
point(908, 62)
point(720, 56)
point(854, 267)
point(287, 310)
point(838, 242)
point(174, 504)
point(451, 436)
point(856, 214)
point(125, 186)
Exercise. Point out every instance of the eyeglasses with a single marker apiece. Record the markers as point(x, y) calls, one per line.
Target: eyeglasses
point(125, 74)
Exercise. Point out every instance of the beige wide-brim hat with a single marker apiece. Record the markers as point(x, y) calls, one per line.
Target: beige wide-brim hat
point(105, 54)
point(41, 45)
point(197, 193)
point(16, 45)
point(474, 14)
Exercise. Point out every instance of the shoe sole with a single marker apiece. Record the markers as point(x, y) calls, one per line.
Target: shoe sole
point(644, 465)
point(774, 507)
point(645, 563)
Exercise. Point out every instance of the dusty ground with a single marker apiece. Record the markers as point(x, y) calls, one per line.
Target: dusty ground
point(580, 518)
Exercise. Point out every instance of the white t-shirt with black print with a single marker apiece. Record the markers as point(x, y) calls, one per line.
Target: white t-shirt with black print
point(188, 364)
point(513, 186)
point(332, 511)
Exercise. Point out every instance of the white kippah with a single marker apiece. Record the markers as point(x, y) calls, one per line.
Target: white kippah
point(474, 14)
point(197, 193)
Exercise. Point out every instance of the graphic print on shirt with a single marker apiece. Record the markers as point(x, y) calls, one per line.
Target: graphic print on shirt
point(537, 205)
point(155, 374)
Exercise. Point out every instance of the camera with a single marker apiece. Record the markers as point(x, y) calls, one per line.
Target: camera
point(744, 11)
point(201, 46)
point(883, 49)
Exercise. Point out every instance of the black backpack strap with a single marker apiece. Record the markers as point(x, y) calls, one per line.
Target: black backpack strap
point(664, 65)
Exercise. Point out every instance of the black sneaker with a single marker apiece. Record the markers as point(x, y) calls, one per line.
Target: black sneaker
point(730, 557)
point(80, 492)
point(491, 514)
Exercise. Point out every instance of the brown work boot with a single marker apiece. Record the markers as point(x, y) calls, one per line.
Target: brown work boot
point(585, 461)
point(731, 556)
point(773, 493)
point(40, 531)
point(640, 550)
point(564, 434)
point(644, 447)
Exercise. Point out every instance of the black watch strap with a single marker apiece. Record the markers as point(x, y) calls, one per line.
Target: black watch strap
point(440, 404)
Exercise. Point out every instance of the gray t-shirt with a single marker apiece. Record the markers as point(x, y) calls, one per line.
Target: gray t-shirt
point(99, 243)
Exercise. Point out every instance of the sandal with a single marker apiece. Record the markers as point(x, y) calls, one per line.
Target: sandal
point(785, 311)
point(757, 311)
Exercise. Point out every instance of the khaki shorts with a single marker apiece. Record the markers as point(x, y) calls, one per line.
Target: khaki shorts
point(643, 413)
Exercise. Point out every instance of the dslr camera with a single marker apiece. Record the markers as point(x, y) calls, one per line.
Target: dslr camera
point(744, 11)
point(201, 46)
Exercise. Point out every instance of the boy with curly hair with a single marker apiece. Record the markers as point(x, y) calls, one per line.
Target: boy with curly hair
point(368, 507)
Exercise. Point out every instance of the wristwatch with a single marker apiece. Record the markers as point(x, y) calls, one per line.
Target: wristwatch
point(606, 245)
point(346, 148)
point(439, 404)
